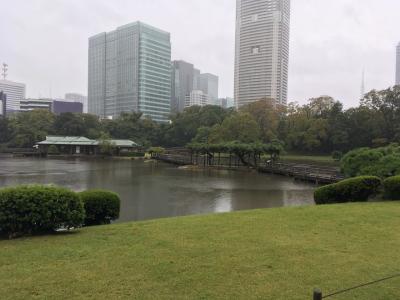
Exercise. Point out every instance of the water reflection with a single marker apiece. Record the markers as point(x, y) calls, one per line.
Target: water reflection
point(153, 190)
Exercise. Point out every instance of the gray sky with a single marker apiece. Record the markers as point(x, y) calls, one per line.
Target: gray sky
point(45, 41)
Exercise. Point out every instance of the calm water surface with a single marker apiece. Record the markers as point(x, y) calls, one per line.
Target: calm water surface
point(152, 190)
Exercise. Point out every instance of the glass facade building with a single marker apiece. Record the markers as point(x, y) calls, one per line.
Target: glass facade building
point(186, 79)
point(130, 70)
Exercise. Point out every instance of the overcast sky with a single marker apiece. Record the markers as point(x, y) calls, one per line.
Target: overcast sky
point(45, 41)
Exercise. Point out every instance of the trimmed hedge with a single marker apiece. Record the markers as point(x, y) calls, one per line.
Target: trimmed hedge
point(35, 209)
point(392, 188)
point(101, 207)
point(357, 189)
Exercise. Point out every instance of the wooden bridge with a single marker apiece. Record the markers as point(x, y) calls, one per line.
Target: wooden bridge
point(305, 172)
point(312, 173)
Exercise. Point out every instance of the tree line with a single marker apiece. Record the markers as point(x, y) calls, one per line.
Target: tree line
point(321, 126)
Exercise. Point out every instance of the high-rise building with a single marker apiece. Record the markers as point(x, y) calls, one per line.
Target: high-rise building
point(196, 79)
point(209, 86)
point(75, 97)
point(226, 102)
point(398, 65)
point(186, 79)
point(130, 70)
point(262, 50)
point(197, 98)
point(181, 84)
point(15, 92)
point(3, 104)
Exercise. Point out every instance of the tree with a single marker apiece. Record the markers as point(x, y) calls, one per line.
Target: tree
point(239, 127)
point(386, 103)
point(31, 127)
point(184, 126)
point(5, 130)
point(106, 146)
point(268, 116)
point(305, 131)
point(70, 124)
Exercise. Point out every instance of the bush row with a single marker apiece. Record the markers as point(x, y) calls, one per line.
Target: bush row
point(36, 209)
point(392, 188)
point(358, 189)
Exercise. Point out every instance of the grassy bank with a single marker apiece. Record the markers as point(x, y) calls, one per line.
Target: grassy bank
point(262, 254)
point(323, 160)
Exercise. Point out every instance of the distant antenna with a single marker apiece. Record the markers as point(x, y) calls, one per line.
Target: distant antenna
point(5, 69)
point(363, 84)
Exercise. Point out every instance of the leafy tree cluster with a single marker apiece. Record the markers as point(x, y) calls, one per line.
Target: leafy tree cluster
point(321, 126)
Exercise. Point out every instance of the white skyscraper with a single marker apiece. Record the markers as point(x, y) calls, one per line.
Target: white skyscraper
point(15, 92)
point(262, 50)
point(398, 65)
point(198, 98)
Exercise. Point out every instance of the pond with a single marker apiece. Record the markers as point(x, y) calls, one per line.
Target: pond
point(151, 190)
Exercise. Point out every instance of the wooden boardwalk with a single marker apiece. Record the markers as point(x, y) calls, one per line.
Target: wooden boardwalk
point(316, 174)
point(304, 172)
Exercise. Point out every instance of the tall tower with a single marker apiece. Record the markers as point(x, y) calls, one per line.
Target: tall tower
point(262, 50)
point(130, 70)
point(398, 65)
point(363, 84)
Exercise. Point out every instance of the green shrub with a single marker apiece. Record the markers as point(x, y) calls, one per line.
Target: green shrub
point(356, 189)
point(337, 155)
point(382, 162)
point(101, 207)
point(392, 188)
point(35, 209)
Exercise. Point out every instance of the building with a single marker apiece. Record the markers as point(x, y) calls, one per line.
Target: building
point(398, 65)
point(196, 79)
point(75, 97)
point(261, 50)
point(55, 106)
point(61, 107)
point(3, 104)
point(15, 92)
point(73, 145)
point(130, 70)
point(198, 98)
point(226, 102)
point(186, 79)
point(209, 86)
point(34, 104)
point(182, 82)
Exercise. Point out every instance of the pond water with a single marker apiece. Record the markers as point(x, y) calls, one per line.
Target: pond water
point(152, 190)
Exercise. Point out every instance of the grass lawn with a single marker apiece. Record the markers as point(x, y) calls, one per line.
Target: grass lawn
point(311, 159)
point(263, 254)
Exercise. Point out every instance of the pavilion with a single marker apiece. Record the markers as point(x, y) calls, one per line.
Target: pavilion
point(73, 145)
